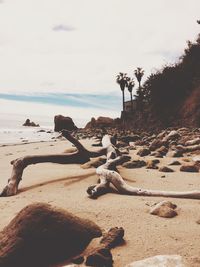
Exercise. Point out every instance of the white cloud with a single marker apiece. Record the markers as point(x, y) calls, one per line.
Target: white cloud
point(109, 36)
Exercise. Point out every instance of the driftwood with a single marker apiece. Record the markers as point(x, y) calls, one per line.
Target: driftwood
point(107, 172)
point(82, 155)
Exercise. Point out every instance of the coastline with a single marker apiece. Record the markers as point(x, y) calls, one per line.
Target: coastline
point(65, 186)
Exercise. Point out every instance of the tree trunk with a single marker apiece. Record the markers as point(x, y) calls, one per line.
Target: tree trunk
point(123, 99)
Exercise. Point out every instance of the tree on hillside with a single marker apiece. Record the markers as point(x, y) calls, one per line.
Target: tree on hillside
point(139, 73)
point(122, 81)
point(130, 84)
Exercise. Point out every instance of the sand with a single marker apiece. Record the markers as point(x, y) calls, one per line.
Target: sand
point(65, 186)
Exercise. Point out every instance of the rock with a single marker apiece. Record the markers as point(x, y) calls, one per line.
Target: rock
point(159, 261)
point(63, 123)
point(100, 123)
point(190, 167)
point(165, 169)
point(94, 163)
point(143, 152)
point(156, 154)
point(134, 164)
point(156, 144)
point(121, 144)
point(174, 163)
point(130, 138)
point(164, 209)
point(195, 141)
point(175, 153)
point(42, 235)
point(152, 163)
point(162, 150)
point(30, 124)
point(173, 135)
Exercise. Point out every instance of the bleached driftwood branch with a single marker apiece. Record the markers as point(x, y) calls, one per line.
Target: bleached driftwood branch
point(108, 174)
point(82, 155)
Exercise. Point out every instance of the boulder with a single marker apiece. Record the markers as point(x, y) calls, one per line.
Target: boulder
point(164, 209)
point(173, 135)
point(165, 169)
point(63, 123)
point(152, 163)
point(143, 152)
point(30, 123)
point(190, 167)
point(100, 122)
point(134, 164)
point(42, 235)
point(159, 261)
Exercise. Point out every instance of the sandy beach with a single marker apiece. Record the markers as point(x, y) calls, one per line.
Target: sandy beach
point(65, 186)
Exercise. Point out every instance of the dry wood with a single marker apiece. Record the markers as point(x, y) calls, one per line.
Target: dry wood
point(82, 155)
point(107, 175)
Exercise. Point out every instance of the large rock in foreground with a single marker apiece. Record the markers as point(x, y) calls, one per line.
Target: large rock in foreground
point(100, 122)
point(41, 235)
point(63, 123)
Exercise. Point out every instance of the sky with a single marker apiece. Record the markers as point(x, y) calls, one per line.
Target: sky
point(57, 50)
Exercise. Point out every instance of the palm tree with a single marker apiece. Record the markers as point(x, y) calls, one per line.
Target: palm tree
point(122, 81)
point(130, 84)
point(139, 72)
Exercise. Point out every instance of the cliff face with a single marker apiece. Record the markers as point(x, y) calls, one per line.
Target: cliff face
point(190, 111)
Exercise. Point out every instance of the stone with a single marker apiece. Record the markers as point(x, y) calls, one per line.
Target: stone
point(42, 235)
point(165, 169)
point(190, 167)
point(174, 163)
point(175, 153)
point(143, 152)
point(63, 123)
point(173, 135)
point(157, 144)
point(100, 122)
point(159, 261)
point(164, 209)
point(152, 163)
point(195, 141)
point(94, 163)
point(30, 124)
point(134, 164)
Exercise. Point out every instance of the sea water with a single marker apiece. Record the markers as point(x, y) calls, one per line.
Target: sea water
point(12, 131)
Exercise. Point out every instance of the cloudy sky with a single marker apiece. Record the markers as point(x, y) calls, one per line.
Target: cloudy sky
point(74, 48)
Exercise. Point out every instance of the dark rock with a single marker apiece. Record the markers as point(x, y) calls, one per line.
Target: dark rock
point(165, 169)
point(190, 167)
point(143, 152)
point(134, 164)
point(157, 144)
point(30, 124)
point(41, 235)
point(175, 163)
point(100, 122)
point(63, 123)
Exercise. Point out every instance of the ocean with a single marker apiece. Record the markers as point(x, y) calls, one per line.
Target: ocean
point(12, 131)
